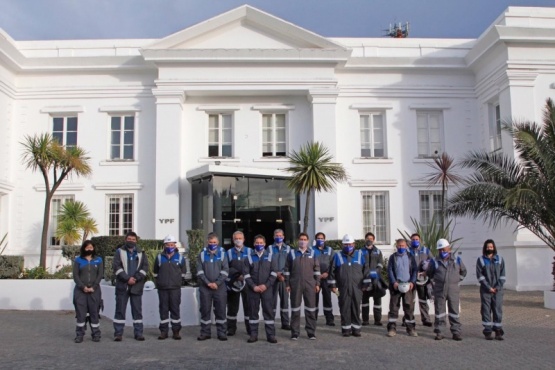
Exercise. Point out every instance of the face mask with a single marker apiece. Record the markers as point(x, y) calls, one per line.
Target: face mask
point(320, 243)
point(444, 255)
point(278, 240)
point(130, 245)
point(489, 252)
point(169, 250)
point(238, 243)
point(369, 243)
point(212, 247)
point(259, 247)
point(88, 252)
point(348, 249)
point(302, 244)
point(415, 243)
point(401, 250)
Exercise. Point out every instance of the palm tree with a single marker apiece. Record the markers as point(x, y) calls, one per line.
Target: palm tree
point(523, 189)
point(55, 162)
point(73, 220)
point(312, 169)
point(443, 174)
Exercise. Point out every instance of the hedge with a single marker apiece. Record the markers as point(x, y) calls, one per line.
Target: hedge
point(11, 267)
point(196, 243)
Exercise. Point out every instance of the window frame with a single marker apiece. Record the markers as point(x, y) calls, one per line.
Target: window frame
point(428, 112)
point(65, 131)
point(122, 116)
point(53, 224)
point(220, 128)
point(371, 129)
point(274, 136)
point(494, 125)
point(432, 209)
point(122, 230)
point(366, 227)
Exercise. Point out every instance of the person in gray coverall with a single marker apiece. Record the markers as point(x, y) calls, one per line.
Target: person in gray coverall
point(490, 271)
point(236, 291)
point(374, 256)
point(325, 255)
point(280, 250)
point(447, 272)
point(88, 270)
point(212, 270)
point(302, 280)
point(421, 254)
point(130, 266)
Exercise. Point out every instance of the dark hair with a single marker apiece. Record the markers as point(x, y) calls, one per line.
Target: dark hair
point(319, 233)
point(131, 233)
point(212, 236)
point(85, 244)
point(303, 234)
point(415, 234)
point(369, 234)
point(400, 240)
point(486, 244)
point(259, 236)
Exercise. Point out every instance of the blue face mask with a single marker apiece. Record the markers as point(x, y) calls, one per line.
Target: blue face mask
point(278, 240)
point(348, 249)
point(212, 247)
point(320, 243)
point(169, 250)
point(444, 255)
point(415, 243)
point(259, 247)
point(401, 250)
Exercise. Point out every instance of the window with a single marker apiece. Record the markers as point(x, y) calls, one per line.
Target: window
point(122, 138)
point(273, 135)
point(64, 129)
point(430, 205)
point(429, 133)
point(372, 136)
point(120, 214)
point(495, 127)
point(219, 135)
point(375, 215)
point(55, 209)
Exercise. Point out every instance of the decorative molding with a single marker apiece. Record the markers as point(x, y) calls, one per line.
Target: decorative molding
point(373, 183)
point(218, 108)
point(273, 108)
point(272, 159)
point(118, 163)
point(118, 186)
point(371, 106)
point(221, 160)
point(430, 106)
point(323, 96)
point(63, 109)
point(429, 160)
point(373, 160)
point(115, 109)
point(63, 187)
point(6, 186)
point(422, 184)
point(167, 96)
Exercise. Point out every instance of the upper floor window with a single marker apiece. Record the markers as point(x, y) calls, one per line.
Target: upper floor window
point(430, 206)
point(122, 139)
point(274, 135)
point(495, 127)
point(120, 214)
point(372, 135)
point(55, 209)
point(220, 135)
point(429, 133)
point(64, 130)
point(375, 215)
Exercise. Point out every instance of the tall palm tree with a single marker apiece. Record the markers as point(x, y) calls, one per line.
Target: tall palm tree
point(522, 189)
point(73, 221)
point(312, 169)
point(55, 162)
point(444, 174)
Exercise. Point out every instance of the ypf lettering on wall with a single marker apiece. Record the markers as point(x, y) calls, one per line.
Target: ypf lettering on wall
point(166, 220)
point(326, 219)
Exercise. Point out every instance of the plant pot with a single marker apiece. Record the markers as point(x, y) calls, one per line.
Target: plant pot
point(549, 299)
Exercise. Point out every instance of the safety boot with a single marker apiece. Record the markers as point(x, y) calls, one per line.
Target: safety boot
point(499, 334)
point(176, 335)
point(78, 339)
point(163, 335)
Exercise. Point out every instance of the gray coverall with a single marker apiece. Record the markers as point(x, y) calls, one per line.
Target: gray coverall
point(236, 261)
point(422, 254)
point(168, 273)
point(302, 275)
point(126, 265)
point(325, 257)
point(374, 257)
point(279, 286)
point(491, 274)
point(348, 273)
point(87, 274)
point(447, 275)
point(212, 268)
point(396, 296)
point(258, 270)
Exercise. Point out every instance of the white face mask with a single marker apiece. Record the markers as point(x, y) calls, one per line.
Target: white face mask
point(238, 243)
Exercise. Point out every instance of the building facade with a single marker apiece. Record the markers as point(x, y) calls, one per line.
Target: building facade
point(192, 130)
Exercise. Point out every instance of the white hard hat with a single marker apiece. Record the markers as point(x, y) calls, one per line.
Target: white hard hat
point(442, 243)
point(149, 285)
point(421, 280)
point(237, 286)
point(348, 239)
point(170, 239)
point(404, 287)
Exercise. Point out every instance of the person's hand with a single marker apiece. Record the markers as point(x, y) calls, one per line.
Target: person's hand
point(334, 290)
point(317, 288)
point(396, 286)
point(263, 288)
point(411, 286)
point(132, 281)
point(256, 289)
point(241, 278)
point(324, 275)
point(280, 276)
point(288, 289)
point(213, 286)
point(493, 290)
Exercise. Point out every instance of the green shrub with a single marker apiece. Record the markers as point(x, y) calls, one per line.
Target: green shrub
point(11, 267)
point(106, 245)
point(196, 243)
point(70, 252)
point(108, 273)
point(65, 272)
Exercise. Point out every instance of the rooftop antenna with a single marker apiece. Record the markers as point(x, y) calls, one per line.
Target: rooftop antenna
point(398, 30)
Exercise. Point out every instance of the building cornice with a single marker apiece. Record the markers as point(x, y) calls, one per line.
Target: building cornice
point(6, 186)
point(117, 186)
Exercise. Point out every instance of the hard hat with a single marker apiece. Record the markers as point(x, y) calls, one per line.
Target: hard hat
point(237, 286)
point(421, 279)
point(404, 287)
point(348, 239)
point(149, 285)
point(170, 239)
point(442, 243)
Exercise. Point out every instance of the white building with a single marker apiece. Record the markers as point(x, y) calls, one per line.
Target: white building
point(191, 130)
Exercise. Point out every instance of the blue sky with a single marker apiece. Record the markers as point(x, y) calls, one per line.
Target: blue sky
point(101, 19)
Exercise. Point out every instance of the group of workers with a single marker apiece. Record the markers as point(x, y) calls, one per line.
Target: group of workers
point(258, 276)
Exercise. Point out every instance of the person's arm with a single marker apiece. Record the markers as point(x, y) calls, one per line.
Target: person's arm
point(462, 269)
point(224, 272)
point(317, 274)
point(183, 268)
point(99, 275)
point(273, 274)
point(200, 270)
point(156, 269)
point(247, 274)
point(142, 269)
point(287, 270)
point(380, 264)
point(332, 283)
point(501, 280)
point(117, 267)
point(390, 274)
point(413, 269)
point(480, 276)
point(76, 277)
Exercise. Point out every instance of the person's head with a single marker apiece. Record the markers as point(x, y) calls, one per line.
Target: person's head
point(348, 243)
point(320, 239)
point(489, 248)
point(238, 239)
point(87, 249)
point(131, 236)
point(213, 242)
point(279, 235)
point(170, 244)
point(401, 245)
point(415, 240)
point(369, 239)
point(259, 243)
point(302, 241)
point(444, 248)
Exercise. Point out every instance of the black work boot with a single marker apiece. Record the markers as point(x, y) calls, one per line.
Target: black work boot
point(163, 335)
point(176, 335)
point(78, 339)
point(499, 334)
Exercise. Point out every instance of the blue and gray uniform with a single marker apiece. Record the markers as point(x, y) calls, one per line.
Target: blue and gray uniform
point(236, 259)
point(212, 268)
point(169, 271)
point(127, 264)
point(87, 274)
point(325, 257)
point(260, 269)
point(491, 274)
point(280, 254)
point(302, 275)
point(348, 273)
point(422, 254)
point(375, 260)
point(447, 274)
point(401, 269)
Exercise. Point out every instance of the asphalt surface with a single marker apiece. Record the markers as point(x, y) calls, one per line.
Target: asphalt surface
point(44, 340)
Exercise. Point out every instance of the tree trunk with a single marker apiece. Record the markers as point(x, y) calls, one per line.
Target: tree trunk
point(306, 212)
point(443, 187)
point(45, 225)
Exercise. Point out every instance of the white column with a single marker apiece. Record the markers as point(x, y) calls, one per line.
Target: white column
point(169, 120)
point(324, 130)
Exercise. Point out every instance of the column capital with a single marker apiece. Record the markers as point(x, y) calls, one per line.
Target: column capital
point(323, 96)
point(167, 96)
